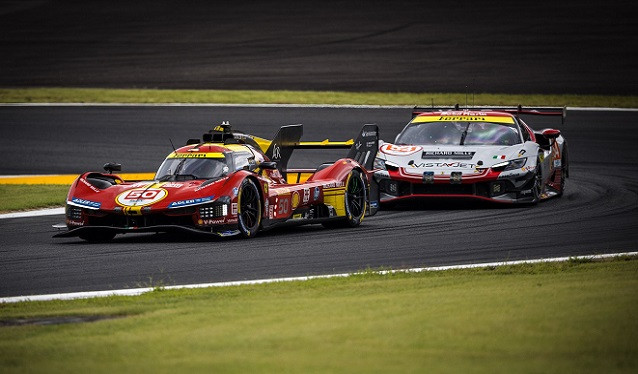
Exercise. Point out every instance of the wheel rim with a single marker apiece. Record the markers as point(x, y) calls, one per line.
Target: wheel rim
point(355, 196)
point(249, 206)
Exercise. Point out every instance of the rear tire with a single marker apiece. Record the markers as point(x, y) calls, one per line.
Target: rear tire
point(248, 209)
point(564, 170)
point(355, 201)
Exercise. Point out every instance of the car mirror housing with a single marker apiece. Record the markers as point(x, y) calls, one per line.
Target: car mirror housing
point(110, 167)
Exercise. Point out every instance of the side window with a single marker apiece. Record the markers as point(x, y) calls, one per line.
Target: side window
point(244, 160)
point(525, 132)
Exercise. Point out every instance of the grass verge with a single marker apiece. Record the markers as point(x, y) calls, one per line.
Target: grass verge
point(15, 197)
point(576, 316)
point(99, 95)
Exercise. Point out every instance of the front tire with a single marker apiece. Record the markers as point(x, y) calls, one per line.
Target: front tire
point(248, 209)
point(537, 189)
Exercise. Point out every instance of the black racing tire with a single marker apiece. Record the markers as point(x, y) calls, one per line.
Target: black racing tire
point(564, 170)
point(537, 188)
point(248, 209)
point(355, 201)
point(97, 236)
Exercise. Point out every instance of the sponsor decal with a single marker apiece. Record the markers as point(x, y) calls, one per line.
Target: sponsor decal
point(172, 185)
point(74, 223)
point(295, 200)
point(276, 153)
point(399, 150)
point(207, 185)
point(209, 222)
point(233, 208)
point(365, 134)
point(306, 195)
point(449, 154)
point(521, 152)
point(141, 196)
point(271, 212)
point(317, 193)
point(142, 184)
point(370, 144)
point(460, 116)
point(334, 184)
point(557, 163)
point(196, 155)
point(188, 202)
point(86, 203)
point(454, 165)
point(235, 191)
point(89, 185)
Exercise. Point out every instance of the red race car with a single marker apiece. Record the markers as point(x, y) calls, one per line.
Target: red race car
point(228, 183)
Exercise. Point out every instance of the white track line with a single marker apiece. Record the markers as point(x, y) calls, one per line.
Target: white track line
point(139, 291)
point(33, 213)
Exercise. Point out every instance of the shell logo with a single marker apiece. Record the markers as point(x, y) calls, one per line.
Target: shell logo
point(295, 200)
point(141, 196)
point(399, 150)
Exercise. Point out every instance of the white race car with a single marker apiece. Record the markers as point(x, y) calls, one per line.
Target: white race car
point(487, 154)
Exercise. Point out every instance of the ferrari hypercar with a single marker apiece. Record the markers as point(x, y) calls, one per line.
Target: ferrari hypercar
point(487, 154)
point(228, 183)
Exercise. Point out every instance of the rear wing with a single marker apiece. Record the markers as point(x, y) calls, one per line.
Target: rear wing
point(516, 110)
point(288, 138)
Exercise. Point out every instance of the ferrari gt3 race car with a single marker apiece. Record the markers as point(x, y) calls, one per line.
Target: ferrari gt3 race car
point(486, 154)
point(228, 183)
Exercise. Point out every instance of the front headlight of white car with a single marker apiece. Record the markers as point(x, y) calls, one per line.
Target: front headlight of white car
point(382, 164)
point(510, 165)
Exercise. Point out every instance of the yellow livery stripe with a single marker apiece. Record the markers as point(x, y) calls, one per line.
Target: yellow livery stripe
point(463, 118)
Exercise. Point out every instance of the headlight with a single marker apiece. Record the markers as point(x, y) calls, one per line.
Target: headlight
point(217, 209)
point(510, 165)
point(384, 164)
point(379, 163)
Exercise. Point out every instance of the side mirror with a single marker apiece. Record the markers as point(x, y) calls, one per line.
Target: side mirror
point(551, 133)
point(110, 167)
point(268, 165)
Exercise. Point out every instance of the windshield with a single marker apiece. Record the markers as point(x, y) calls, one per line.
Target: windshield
point(176, 169)
point(459, 133)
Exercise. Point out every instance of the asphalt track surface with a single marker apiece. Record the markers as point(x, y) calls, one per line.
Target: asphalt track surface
point(597, 214)
point(541, 46)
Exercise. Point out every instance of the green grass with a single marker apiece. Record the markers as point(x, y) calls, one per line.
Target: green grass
point(575, 317)
point(31, 196)
point(98, 95)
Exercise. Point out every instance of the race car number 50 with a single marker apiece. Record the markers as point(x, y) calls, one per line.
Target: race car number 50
point(141, 196)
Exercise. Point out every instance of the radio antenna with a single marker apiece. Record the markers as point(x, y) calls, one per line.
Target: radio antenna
point(173, 146)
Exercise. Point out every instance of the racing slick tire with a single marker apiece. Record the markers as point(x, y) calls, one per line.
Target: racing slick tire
point(564, 170)
point(248, 209)
point(537, 188)
point(97, 237)
point(355, 201)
